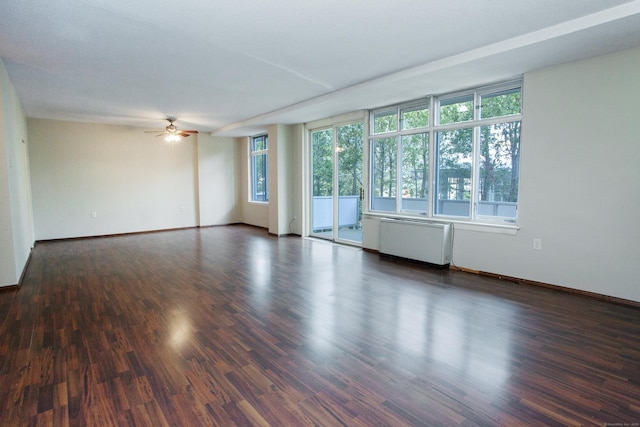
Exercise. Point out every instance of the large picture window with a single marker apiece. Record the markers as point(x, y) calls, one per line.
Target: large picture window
point(259, 169)
point(465, 147)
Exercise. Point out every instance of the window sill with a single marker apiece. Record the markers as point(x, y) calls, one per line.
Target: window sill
point(256, 202)
point(484, 227)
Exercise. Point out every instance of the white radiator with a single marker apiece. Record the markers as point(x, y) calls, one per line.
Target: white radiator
point(421, 241)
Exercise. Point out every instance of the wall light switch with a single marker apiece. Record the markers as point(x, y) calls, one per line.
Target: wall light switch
point(537, 244)
point(94, 214)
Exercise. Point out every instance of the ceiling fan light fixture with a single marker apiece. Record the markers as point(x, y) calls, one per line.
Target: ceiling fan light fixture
point(172, 137)
point(171, 132)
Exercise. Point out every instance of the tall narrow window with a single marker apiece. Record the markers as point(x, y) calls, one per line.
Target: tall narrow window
point(259, 169)
point(499, 167)
point(453, 172)
point(415, 172)
point(499, 153)
point(384, 174)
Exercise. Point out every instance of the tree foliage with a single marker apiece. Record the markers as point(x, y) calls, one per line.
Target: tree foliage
point(455, 149)
point(500, 149)
point(385, 151)
point(385, 122)
point(415, 165)
point(350, 148)
point(321, 148)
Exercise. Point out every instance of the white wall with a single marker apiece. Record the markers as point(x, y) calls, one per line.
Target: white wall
point(580, 168)
point(581, 154)
point(281, 179)
point(132, 180)
point(219, 180)
point(16, 226)
point(285, 182)
point(8, 274)
point(298, 181)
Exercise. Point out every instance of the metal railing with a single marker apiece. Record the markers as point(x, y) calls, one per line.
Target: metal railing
point(446, 207)
point(348, 212)
point(349, 209)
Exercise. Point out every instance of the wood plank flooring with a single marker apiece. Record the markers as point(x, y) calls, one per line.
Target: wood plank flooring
point(230, 326)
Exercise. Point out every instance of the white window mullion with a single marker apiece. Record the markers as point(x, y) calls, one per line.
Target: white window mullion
point(366, 165)
point(336, 182)
point(398, 174)
point(398, 161)
point(475, 173)
point(432, 193)
point(475, 165)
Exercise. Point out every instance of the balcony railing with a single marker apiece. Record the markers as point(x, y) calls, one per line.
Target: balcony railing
point(349, 209)
point(348, 212)
point(446, 207)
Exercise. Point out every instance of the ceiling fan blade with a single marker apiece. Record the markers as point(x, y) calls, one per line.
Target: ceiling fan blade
point(153, 131)
point(183, 134)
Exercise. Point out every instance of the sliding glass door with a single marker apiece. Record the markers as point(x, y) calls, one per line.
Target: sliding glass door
point(336, 183)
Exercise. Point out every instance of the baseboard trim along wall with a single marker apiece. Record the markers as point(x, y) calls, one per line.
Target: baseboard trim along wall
point(520, 281)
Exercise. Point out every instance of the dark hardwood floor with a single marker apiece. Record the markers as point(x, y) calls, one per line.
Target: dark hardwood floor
point(229, 326)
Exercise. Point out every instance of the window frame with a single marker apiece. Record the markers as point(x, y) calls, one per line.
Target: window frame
point(384, 112)
point(411, 107)
point(476, 123)
point(253, 155)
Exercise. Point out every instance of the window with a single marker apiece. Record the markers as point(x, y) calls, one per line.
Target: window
point(499, 158)
point(259, 168)
point(384, 171)
point(453, 172)
point(464, 146)
point(498, 104)
point(415, 116)
point(415, 167)
point(456, 109)
point(385, 121)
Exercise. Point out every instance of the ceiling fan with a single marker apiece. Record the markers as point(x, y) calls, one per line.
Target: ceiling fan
point(171, 132)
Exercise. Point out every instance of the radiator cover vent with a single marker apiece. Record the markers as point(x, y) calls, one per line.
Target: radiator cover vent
point(417, 240)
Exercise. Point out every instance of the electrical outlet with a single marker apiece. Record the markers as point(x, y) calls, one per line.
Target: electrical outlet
point(537, 244)
point(94, 214)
